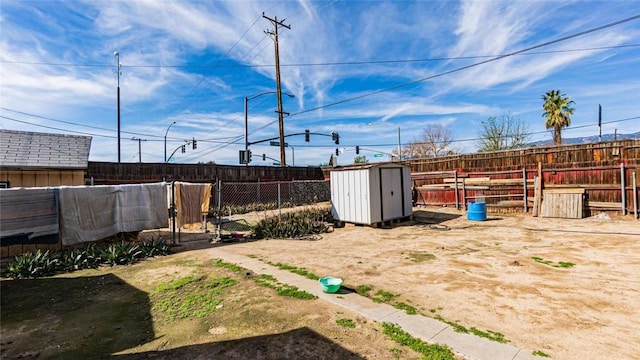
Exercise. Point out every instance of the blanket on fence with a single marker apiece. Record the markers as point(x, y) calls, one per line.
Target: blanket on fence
point(28, 216)
point(192, 202)
point(90, 213)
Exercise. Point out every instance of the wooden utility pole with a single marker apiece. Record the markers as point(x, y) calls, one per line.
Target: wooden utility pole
point(277, 23)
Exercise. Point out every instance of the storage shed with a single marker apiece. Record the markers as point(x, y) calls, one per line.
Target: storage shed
point(371, 194)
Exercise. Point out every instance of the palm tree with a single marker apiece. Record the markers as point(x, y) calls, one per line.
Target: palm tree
point(557, 109)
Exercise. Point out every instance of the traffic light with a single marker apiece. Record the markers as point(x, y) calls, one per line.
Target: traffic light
point(194, 144)
point(307, 135)
point(335, 137)
point(249, 157)
point(357, 149)
point(337, 152)
point(184, 149)
point(264, 157)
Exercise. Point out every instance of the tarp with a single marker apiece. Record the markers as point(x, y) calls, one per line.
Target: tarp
point(90, 213)
point(28, 216)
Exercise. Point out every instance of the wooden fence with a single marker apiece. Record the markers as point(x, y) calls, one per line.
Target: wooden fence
point(130, 173)
point(605, 188)
point(572, 156)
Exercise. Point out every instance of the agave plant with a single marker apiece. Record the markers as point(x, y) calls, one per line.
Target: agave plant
point(292, 225)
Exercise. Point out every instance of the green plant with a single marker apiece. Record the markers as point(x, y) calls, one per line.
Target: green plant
point(363, 289)
point(540, 353)
point(491, 335)
point(37, 263)
point(295, 224)
point(283, 289)
point(348, 323)
point(410, 310)
point(562, 264)
point(33, 264)
point(300, 271)
point(382, 296)
point(429, 351)
point(233, 267)
point(190, 296)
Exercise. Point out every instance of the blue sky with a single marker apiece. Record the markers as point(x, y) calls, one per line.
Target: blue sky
point(194, 62)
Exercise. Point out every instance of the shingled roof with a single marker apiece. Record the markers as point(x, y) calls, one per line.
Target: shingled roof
point(25, 149)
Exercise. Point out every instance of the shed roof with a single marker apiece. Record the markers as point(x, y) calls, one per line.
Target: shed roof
point(25, 149)
point(369, 166)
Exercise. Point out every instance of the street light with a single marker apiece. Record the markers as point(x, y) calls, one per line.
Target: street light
point(118, 73)
point(165, 141)
point(246, 116)
point(399, 143)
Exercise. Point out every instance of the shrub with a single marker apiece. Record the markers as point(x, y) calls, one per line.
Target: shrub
point(37, 263)
point(292, 225)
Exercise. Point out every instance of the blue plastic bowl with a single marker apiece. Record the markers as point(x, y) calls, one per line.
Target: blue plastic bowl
point(330, 284)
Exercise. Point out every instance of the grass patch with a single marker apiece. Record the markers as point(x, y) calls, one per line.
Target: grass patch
point(560, 264)
point(348, 323)
point(363, 290)
point(190, 297)
point(382, 296)
point(269, 282)
point(490, 335)
point(410, 310)
point(283, 289)
point(540, 353)
point(429, 351)
point(233, 267)
point(296, 270)
point(177, 284)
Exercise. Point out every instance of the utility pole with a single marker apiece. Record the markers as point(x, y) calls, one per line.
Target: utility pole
point(277, 23)
point(118, 73)
point(139, 148)
point(599, 123)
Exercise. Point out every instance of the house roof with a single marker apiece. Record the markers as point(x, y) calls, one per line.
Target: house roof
point(25, 149)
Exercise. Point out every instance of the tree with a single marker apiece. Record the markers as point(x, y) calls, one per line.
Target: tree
point(503, 133)
point(557, 110)
point(435, 141)
point(360, 159)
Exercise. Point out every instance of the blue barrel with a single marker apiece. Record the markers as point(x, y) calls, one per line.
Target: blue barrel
point(477, 211)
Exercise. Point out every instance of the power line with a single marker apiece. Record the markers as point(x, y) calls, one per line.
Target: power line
point(338, 63)
point(59, 129)
point(213, 140)
point(525, 50)
point(547, 43)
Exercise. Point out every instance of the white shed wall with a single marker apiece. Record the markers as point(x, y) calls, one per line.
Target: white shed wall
point(350, 196)
point(359, 195)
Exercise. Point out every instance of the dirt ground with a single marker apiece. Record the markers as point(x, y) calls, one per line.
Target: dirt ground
point(120, 313)
point(477, 274)
point(483, 275)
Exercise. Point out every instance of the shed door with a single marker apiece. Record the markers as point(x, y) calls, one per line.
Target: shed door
point(391, 191)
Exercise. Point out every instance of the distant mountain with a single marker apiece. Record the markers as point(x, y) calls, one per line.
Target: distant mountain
point(588, 139)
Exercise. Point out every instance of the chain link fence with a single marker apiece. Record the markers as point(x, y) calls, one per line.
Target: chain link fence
point(235, 208)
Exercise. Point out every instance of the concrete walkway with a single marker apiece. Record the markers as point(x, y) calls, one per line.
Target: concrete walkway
point(422, 327)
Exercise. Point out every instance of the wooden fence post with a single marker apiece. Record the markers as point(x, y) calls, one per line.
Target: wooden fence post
point(455, 178)
point(524, 187)
point(624, 191)
point(635, 195)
